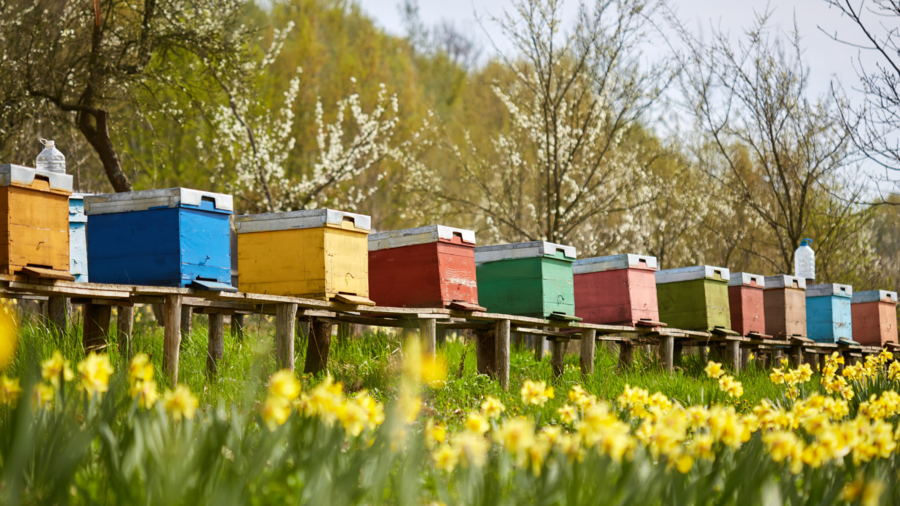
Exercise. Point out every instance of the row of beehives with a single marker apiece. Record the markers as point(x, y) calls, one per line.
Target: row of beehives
point(181, 237)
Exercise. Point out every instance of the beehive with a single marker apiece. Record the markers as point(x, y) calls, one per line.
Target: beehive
point(78, 238)
point(874, 315)
point(694, 298)
point(320, 253)
point(173, 237)
point(423, 267)
point(617, 289)
point(785, 306)
point(34, 205)
point(746, 301)
point(828, 314)
point(526, 279)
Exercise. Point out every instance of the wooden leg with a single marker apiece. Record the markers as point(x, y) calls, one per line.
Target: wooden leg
point(96, 326)
point(539, 348)
point(733, 355)
point(667, 351)
point(172, 339)
point(58, 309)
point(304, 328)
point(187, 321)
point(237, 327)
point(285, 333)
point(159, 312)
point(124, 329)
point(501, 343)
point(317, 349)
point(678, 354)
point(440, 336)
point(215, 348)
point(703, 351)
point(558, 357)
point(745, 358)
point(428, 331)
point(588, 346)
point(626, 355)
point(486, 352)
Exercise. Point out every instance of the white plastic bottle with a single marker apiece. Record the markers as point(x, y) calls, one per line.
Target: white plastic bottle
point(805, 261)
point(50, 159)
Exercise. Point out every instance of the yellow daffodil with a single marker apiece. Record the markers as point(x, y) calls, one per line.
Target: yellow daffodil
point(180, 403)
point(9, 390)
point(283, 384)
point(93, 374)
point(56, 367)
point(492, 407)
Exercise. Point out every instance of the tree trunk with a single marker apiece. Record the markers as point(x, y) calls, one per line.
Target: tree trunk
point(97, 135)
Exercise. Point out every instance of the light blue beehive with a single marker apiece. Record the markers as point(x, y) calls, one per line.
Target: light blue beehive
point(78, 266)
point(828, 316)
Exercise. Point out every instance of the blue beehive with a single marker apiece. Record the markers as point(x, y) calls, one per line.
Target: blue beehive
point(174, 237)
point(828, 316)
point(78, 266)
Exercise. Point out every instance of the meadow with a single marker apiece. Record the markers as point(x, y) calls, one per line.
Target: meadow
point(389, 426)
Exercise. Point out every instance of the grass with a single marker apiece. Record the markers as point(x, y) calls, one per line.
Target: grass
point(372, 361)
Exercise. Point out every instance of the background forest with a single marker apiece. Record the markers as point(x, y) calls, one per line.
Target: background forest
point(567, 136)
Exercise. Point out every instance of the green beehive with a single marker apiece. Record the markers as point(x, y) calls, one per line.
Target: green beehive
point(527, 279)
point(694, 298)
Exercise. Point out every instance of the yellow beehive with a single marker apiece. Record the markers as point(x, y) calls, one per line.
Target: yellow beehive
point(320, 254)
point(34, 206)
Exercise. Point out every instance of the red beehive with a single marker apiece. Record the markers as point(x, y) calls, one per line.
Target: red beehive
point(618, 289)
point(874, 317)
point(747, 303)
point(423, 267)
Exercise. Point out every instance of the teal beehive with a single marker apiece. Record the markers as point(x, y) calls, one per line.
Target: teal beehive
point(828, 315)
point(78, 266)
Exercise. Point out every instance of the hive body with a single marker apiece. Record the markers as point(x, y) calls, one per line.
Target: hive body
point(618, 289)
point(34, 206)
point(78, 265)
point(694, 298)
point(828, 314)
point(785, 306)
point(874, 315)
point(174, 237)
point(314, 254)
point(423, 267)
point(526, 279)
point(747, 304)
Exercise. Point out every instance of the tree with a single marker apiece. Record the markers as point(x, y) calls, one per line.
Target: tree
point(786, 159)
point(73, 62)
point(560, 165)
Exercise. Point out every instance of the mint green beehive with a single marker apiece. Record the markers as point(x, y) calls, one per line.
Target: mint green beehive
point(526, 279)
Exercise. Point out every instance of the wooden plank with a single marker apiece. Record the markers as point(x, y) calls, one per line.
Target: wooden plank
point(667, 350)
point(427, 328)
point(125, 329)
point(465, 306)
point(733, 355)
point(501, 343)
point(85, 290)
point(40, 272)
point(588, 345)
point(215, 348)
point(172, 336)
point(102, 302)
point(354, 300)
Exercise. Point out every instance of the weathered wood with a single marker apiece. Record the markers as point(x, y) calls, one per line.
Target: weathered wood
point(745, 358)
point(501, 343)
point(285, 333)
point(440, 336)
point(125, 329)
point(733, 355)
point(318, 347)
point(427, 328)
point(303, 329)
point(539, 347)
point(626, 355)
point(187, 322)
point(172, 336)
point(796, 355)
point(58, 316)
point(486, 352)
point(667, 352)
point(96, 326)
point(237, 327)
point(159, 313)
point(588, 346)
point(558, 357)
point(215, 348)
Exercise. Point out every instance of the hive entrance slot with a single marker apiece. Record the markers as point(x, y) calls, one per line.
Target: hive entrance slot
point(796, 284)
point(643, 261)
point(42, 178)
point(349, 219)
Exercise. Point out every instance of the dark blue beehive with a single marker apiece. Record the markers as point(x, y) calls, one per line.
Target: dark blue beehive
point(174, 237)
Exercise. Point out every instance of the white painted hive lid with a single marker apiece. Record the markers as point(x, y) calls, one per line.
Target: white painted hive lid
point(874, 296)
point(485, 254)
point(614, 262)
point(113, 203)
point(692, 273)
point(829, 289)
point(745, 278)
point(312, 218)
point(420, 235)
point(785, 281)
point(12, 175)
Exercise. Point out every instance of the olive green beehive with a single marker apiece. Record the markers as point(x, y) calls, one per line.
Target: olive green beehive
point(694, 298)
